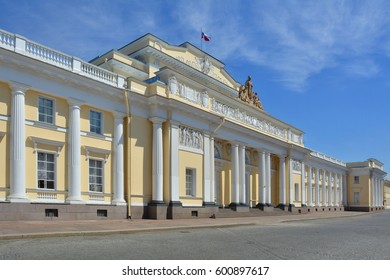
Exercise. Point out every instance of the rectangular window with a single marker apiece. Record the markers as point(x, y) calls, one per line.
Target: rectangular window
point(95, 122)
point(46, 110)
point(95, 175)
point(356, 179)
point(296, 192)
point(190, 182)
point(46, 171)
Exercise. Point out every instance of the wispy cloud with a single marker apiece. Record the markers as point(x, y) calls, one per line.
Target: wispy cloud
point(296, 39)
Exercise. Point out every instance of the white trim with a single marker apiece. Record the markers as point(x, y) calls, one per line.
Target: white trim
point(101, 122)
point(104, 152)
point(54, 110)
point(4, 118)
point(193, 191)
point(103, 178)
point(37, 141)
point(36, 170)
point(190, 149)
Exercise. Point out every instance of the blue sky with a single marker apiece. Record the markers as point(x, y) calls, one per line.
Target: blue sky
point(322, 66)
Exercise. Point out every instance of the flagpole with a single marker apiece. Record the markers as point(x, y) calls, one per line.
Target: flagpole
point(201, 39)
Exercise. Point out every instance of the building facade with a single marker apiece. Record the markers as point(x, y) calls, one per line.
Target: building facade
point(153, 130)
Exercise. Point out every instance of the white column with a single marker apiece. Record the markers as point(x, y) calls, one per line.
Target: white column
point(242, 174)
point(344, 191)
point(335, 197)
point(341, 189)
point(291, 183)
point(262, 177)
point(235, 174)
point(323, 187)
point(317, 187)
point(381, 191)
point(157, 160)
point(330, 203)
point(212, 170)
point(376, 192)
point(74, 154)
point(282, 180)
point(174, 162)
point(268, 177)
point(303, 183)
point(310, 186)
point(206, 170)
point(17, 145)
point(118, 164)
point(373, 186)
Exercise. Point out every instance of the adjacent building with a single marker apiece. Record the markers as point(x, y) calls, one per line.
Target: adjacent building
point(158, 131)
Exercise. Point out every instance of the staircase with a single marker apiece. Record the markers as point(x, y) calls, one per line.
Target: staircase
point(253, 212)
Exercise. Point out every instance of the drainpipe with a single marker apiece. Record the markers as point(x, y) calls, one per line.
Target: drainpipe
point(219, 126)
point(127, 119)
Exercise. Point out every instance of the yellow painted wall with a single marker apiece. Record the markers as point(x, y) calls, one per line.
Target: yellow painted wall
point(362, 187)
point(31, 108)
point(141, 134)
point(195, 161)
point(5, 99)
point(108, 120)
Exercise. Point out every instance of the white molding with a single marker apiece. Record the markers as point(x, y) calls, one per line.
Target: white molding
point(190, 149)
point(37, 141)
point(104, 152)
point(4, 118)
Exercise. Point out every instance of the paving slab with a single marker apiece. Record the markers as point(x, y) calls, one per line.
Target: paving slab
point(55, 228)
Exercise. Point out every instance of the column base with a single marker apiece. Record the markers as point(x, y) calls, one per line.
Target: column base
point(119, 202)
point(264, 206)
point(282, 206)
point(18, 199)
point(239, 207)
point(209, 204)
point(71, 200)
point(291, 207)
point(157, 210)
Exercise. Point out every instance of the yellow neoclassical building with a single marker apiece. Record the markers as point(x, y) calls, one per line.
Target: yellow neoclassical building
point(158, 131)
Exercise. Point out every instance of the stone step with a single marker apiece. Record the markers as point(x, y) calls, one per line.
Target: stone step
point(252, 212)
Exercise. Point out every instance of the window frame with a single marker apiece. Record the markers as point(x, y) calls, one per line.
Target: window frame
point(192, 189)
point(53, 109)
point(356, 179)
point(89, 174)
point(54, 170)
point(101, 122)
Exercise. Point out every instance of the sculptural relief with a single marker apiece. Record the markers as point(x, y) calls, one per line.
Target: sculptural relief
point(191, 138)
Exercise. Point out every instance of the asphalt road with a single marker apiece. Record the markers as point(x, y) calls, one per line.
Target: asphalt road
point(360, 237)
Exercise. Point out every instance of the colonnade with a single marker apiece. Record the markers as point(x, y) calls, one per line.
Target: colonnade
point(324, 187)
point(377, 192)
point(18, 151)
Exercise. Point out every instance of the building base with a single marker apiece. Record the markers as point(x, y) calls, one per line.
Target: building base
point(239, 207)
point(63, 211)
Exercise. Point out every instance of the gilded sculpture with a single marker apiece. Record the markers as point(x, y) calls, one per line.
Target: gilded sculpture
point(247, 94)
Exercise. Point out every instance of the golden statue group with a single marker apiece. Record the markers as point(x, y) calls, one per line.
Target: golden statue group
point(247, 94)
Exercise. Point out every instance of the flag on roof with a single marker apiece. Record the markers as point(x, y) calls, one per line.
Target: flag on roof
point(205, 37)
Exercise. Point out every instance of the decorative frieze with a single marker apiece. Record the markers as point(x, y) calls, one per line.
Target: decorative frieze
point(296, 166)
point(191, 138)
point(188, 93)
point(242, 116)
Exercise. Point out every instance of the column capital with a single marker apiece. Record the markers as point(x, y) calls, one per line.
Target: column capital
point(74, 102)
point(118, 115)
point(157, 120)
point(18, 87)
